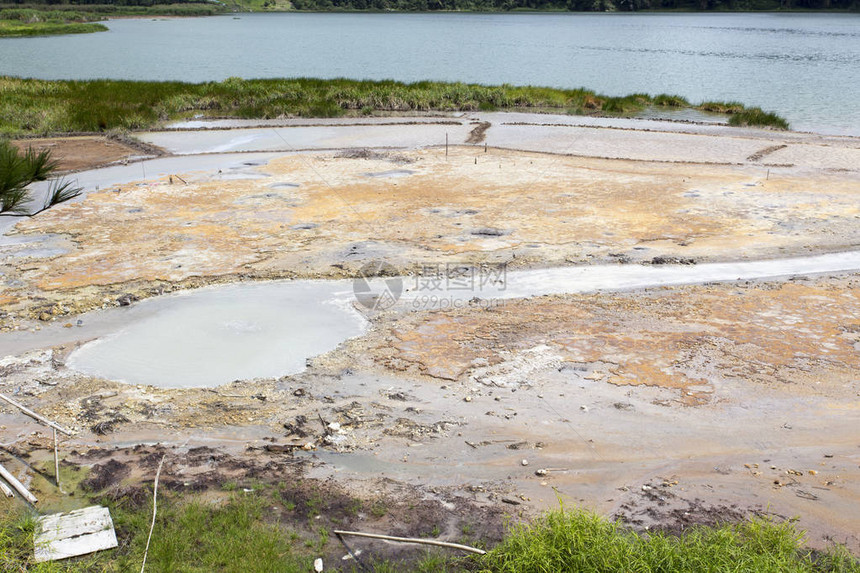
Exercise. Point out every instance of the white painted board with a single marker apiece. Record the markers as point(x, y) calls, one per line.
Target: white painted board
point(64, 535)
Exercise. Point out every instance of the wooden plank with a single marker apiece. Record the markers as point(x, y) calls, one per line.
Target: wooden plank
point(19, 487)
point(34, 415)
point(64, 535)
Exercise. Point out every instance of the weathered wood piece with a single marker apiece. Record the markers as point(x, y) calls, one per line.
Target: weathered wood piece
point(19, 487)
point(79, 532)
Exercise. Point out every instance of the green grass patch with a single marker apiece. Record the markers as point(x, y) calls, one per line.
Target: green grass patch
point(37, 107)
point(235, 535)
point(757, 118)
point(242, 534)
point(17, 23)
point(726, 107)
point(581, 541)
point(666, 100)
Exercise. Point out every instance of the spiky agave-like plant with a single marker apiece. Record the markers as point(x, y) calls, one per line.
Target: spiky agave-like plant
point(18, 170)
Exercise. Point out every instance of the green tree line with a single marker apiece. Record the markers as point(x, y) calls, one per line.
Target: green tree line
point(492, 5)
point(573, 5)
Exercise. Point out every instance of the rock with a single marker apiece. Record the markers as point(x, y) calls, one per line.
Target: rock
point(309, 446)
point(660, 260)
point(525, 462)
point(467, 399)
point(541, 472)
point(45, 317)
point(490, 232)
point(584, 408)
point(299, 392)
point(318, 565)
point(126, 299)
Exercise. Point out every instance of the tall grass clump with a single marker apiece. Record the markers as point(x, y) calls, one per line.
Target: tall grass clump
point(726, 107)
point(30, 106)
point(581, 541)
point(666, 100)
point(755, 117)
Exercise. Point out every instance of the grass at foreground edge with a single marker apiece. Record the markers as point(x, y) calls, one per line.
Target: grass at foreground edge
point(237, 535)
point(40, 107)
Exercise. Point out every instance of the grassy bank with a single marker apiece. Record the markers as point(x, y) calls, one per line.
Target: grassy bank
point(18, 22)
point(23, 20)
point(238, 534)
point(46, 107)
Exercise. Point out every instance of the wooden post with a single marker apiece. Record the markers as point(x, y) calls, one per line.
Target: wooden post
point(35, 416)
point(19, 487)
point(56, 461)
point(412, 540)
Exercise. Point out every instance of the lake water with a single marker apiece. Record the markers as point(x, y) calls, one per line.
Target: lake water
point(803, 66)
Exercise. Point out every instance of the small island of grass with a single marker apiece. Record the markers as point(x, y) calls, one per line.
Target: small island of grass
point(56, 19)
point(17, 23)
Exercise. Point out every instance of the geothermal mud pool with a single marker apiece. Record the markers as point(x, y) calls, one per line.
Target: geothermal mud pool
point(662, 320)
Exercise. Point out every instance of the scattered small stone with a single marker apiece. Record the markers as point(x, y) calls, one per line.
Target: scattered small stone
point(525, 462)
point(467, 399)
point(584, 408)
point(541, 472)
point(126, 299)
point(299, 392)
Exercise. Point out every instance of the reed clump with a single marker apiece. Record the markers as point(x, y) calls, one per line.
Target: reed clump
point(29, 106)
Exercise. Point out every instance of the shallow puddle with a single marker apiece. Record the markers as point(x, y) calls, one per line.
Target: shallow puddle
point(215, 335)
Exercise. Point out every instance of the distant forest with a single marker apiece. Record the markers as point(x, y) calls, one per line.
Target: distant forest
point(575, 5)
point(495, 5)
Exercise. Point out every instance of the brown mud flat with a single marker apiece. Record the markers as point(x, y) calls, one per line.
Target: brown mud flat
point(78, 153)
point(297, 503)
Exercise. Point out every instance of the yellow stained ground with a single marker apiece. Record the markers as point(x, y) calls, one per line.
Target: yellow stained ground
point(542, 210)
point(803, 335)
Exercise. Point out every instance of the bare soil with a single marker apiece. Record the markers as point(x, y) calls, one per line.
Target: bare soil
point(663, 407)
